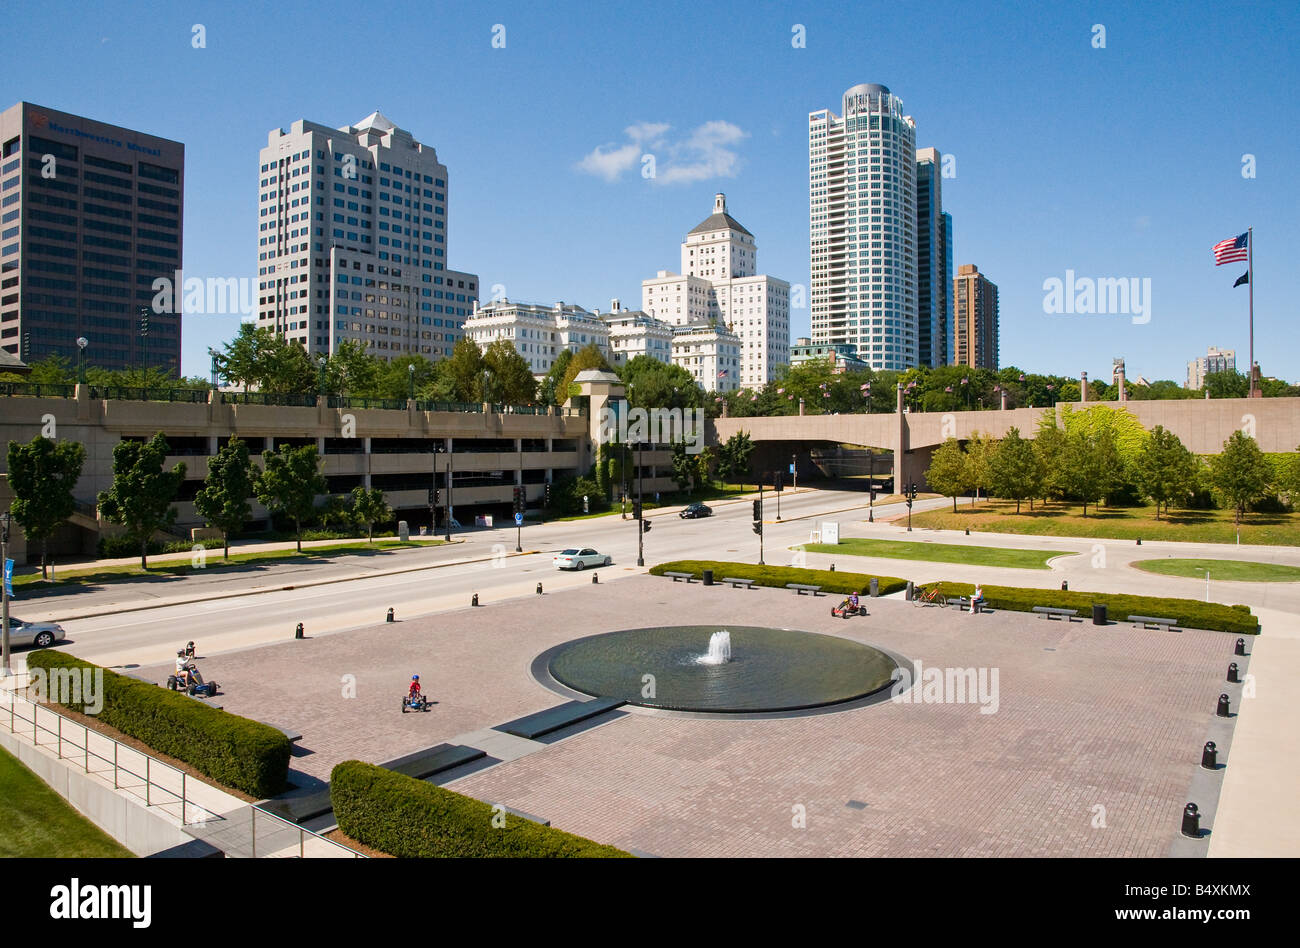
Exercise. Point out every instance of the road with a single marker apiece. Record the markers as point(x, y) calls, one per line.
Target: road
point(142, 622)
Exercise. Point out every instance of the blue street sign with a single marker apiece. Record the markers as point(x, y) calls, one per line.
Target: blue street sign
point(791, 468)
point(9, 577)
point(519, 519)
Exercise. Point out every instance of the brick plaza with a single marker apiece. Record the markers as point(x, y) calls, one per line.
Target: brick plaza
point(1095, 740)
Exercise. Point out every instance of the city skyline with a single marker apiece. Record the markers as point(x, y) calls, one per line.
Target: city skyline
point(1100, 166)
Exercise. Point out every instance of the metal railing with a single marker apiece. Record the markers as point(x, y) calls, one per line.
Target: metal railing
point(37, 390)
point(284, 400)
point(192, 396)
point(158, 784)
point(278, 840)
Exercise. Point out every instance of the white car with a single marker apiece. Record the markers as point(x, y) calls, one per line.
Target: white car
point(580, 559)
point(40, 634)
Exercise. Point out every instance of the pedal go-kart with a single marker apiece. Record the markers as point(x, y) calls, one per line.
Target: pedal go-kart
point(195, 687)
point(418, 703)
point(846, 609)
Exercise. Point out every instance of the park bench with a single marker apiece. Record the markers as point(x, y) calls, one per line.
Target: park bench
point(293, 736)
point(1052, 612)
point(801, 588)
point(689, 577)
point(1148, 622)
point(533, 726)
point(963, 604)
point(434, 760)
point(737, 583)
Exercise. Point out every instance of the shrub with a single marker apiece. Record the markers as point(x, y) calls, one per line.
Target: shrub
point(124, 546)
point(234, 751)
point(1188, 613)
point(410, 818)
point(835, 582)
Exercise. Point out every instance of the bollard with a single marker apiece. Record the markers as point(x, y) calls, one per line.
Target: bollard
point(1240, 648)
point(595, 579)
point(474, 600)
point(1191, 821)
point(539, 589)
point(297, 633)
point(1065, 585)
point(875, 587)
point(968, 531)
point(1210, 756)
point(1223, 707)
point(832, 567)
point(390, 615)
point(1139, 541)
point(911, 590)
point(1232, 674)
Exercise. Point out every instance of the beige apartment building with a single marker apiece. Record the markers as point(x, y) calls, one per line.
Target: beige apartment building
point(975, 319)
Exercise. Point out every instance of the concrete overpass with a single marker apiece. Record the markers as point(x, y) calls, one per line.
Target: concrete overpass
point(1202, 425)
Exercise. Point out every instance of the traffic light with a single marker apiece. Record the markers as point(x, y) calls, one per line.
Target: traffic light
point(645, 525)
point(758, 511)
point(519, 500)
point(777, 482)
point(144, 322)
point(433, 497)
point(547, 494)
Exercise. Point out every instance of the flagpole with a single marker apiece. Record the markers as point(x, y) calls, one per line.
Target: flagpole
point(1250, 284)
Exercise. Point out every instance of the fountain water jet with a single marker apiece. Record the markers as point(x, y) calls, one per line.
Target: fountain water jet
point(719, 649)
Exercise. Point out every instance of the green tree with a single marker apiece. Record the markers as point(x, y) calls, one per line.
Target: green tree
point(290, 482)
point(1165, 470)
point(1016, 474)
point(140, 498)
point(549, 392)
point(684, 466)
point(510, 375)
point(1227, 384)
point(654, 384)
point(1240, 474)
point(370, 508)
point(947, 472)
point(464, 368)
point(42, 475)
point(1049, 449)
point(1092, 466)
point(588, 357)
point(733, 457)
point(350, 370)
point(222, 501)
point(705, 464)
point(979, 463)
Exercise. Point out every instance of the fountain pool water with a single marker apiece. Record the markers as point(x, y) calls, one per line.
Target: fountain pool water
point(719, 649)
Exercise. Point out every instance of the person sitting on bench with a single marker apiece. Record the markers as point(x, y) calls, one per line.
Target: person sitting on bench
point(976, 598)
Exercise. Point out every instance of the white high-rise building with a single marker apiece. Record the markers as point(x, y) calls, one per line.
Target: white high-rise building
point(862, 217)
point(352, 241)
point(720, 283)
point(711, 353)
point(633, 333)
point(539, 333)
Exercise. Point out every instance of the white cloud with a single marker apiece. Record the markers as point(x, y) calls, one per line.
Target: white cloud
point(709, 151)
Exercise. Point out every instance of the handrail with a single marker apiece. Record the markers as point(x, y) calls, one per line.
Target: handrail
point(303, 832)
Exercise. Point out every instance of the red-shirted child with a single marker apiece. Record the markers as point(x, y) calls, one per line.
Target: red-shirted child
point(414, 693)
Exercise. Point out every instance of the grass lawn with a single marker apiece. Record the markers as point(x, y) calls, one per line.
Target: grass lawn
point(936, 553)
point(36, 822)
point(1118, 523)
point(183, 567)
point(1239, 571)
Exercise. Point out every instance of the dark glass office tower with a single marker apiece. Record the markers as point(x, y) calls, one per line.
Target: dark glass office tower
point(90, 216)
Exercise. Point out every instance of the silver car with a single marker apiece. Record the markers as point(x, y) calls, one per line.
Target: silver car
point(580, 559)
point(40, 634)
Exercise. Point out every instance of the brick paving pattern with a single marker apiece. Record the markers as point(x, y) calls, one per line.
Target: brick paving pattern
point(1107, 727)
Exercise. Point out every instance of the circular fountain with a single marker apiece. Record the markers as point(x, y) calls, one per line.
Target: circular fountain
point(737, 669)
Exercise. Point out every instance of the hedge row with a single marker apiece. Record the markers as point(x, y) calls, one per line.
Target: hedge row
point(405, 817)
point(234, 751)
point(1189, 613)
point(833, 581)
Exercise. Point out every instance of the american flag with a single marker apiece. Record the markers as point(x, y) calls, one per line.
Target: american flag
point(1234, 248)
point(722, 374)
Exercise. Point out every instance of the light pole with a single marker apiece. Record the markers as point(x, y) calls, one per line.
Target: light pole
point(911, 496)
point(640, 528)
point(144, 348)
point(410, 374)
point(450, 454)
point(4, 593)
point(82, 342)
point(213, 354)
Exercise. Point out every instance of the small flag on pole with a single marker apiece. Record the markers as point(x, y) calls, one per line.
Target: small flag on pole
point(1234, 248)
point(1244, 278)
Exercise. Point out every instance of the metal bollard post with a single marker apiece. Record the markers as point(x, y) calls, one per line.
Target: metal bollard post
point(1065, 585)
point(1232, 673)
point(1240, 648)
point(1191, 821)
point(1223, 707)
point(1139, 543)
point(832, 567)
point(595, 578)
point(390, 615)
point(1210, 756)
point(474, 600)
point(297, 633)
point(539, 589)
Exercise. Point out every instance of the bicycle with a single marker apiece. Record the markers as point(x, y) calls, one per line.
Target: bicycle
point(932, 597)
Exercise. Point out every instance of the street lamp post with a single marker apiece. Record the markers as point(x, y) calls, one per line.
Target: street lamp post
point(82, 342)
point(213, 354)
point(640, 522)
point(911, 496)
point(450, 454)
point(410, 374)
point(4, 593)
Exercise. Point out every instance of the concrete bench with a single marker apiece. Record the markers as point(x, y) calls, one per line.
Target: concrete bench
point(963, 604)
point(1052, 612)
point(533, 726)
point(737, 583)
point(434, 760)
point(294, 736)
point(676, 577)
point(801, 588)
point(1148, 622)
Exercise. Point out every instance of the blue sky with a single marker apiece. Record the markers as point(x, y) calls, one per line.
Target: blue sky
point(1117, 162)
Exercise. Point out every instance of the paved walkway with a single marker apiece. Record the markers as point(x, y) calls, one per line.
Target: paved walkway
point(1087, 718)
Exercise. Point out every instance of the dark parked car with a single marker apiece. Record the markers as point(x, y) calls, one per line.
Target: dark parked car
point(695, 510)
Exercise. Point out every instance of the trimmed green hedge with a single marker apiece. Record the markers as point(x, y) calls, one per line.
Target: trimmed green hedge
point(405, 817)
point(831, 581)
point(1189, 613)
point(234, 751)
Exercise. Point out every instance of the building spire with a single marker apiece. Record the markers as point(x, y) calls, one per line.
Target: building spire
point(719, 203)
